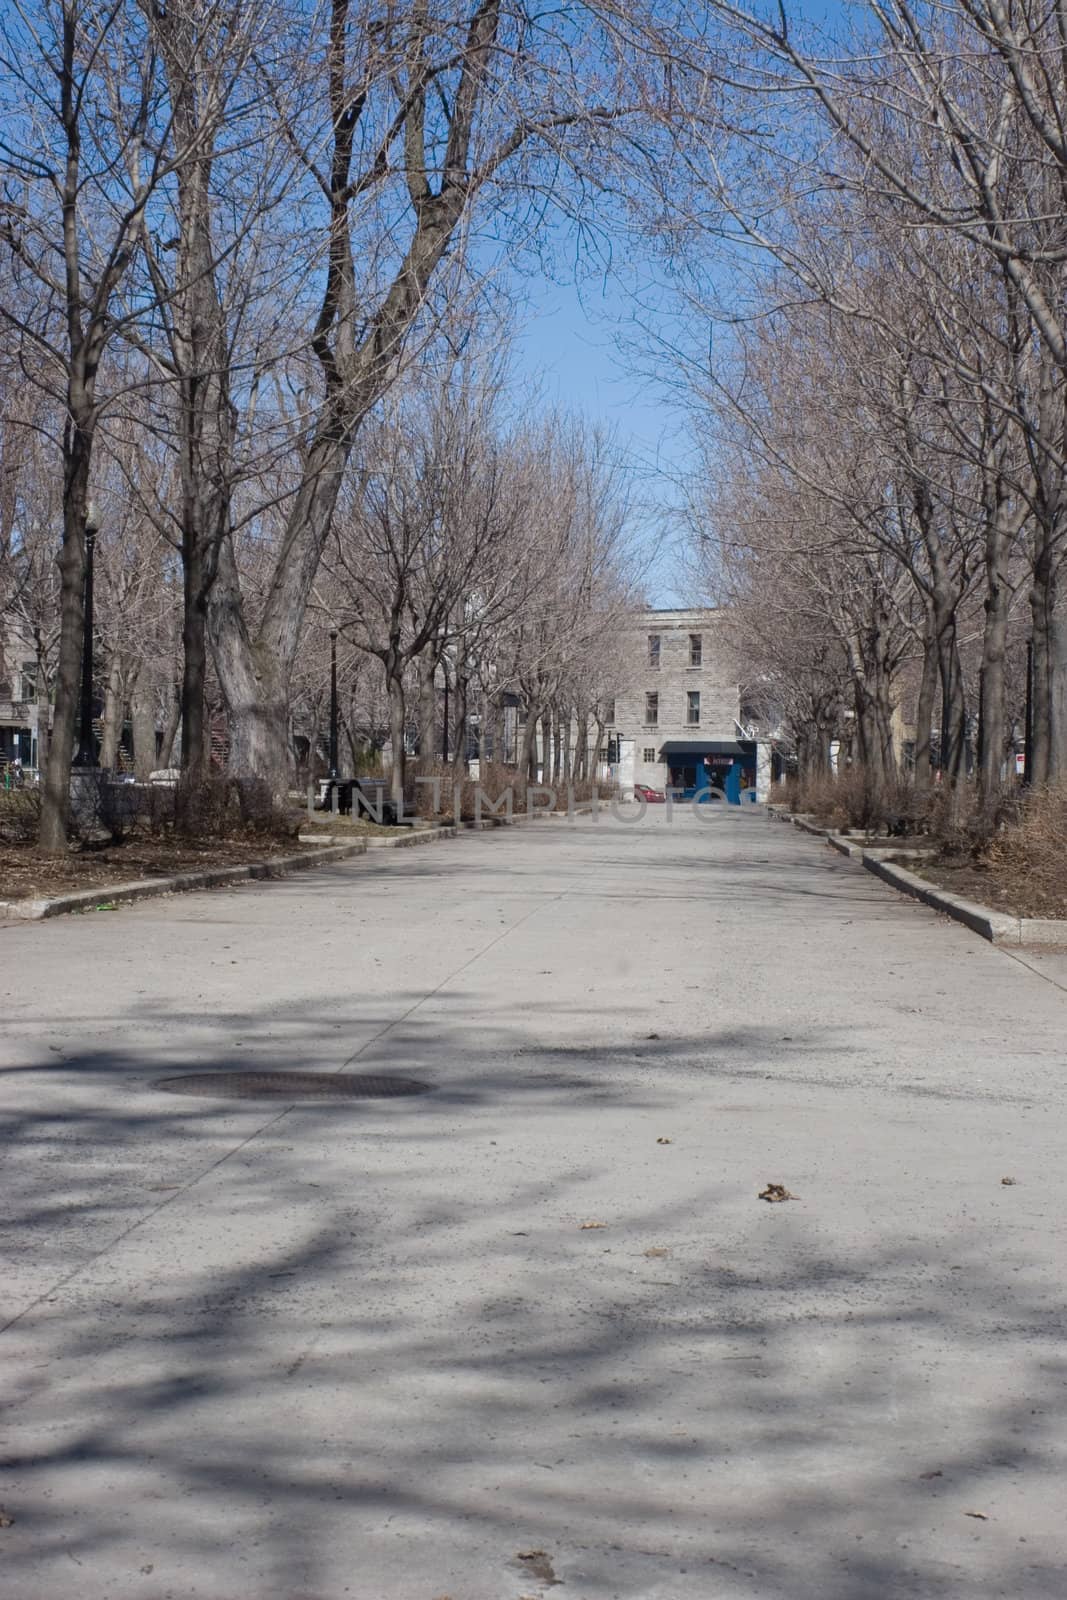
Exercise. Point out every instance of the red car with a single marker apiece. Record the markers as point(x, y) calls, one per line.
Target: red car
point(651, 797)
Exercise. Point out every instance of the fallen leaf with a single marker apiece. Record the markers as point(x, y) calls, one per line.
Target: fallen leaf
point(664, 1141)
point(586, 1225)
point(651, 1035)
point(979, 1516)
point(657, 1250)
point(936, 1474)
point(1009, 1183)
point(777, 1191)
point(5, 1520)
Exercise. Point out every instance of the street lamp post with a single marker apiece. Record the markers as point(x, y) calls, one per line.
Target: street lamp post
point(86, 753)
point(333, 705)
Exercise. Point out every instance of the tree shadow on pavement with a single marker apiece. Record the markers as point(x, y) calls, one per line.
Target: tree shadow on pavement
point(380, 1351)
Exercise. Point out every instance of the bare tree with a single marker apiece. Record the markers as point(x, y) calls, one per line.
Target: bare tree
point(425, 545)
point(89, 146)
point(432, 117)
point(953, 116)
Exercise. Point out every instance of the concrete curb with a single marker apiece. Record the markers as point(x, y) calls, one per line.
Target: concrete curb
point(999, 927)
point(177, 883)
point(991, 925)
point(218, 877)
point(396, 841)
point(847, 846)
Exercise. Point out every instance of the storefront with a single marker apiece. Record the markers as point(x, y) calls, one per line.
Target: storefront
point(698, 768)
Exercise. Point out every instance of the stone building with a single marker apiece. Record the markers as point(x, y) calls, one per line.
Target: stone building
point(677, 710)
point(19, 708)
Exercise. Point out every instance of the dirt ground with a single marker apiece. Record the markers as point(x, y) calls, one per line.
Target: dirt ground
point(1019, 898)
point(24, 875)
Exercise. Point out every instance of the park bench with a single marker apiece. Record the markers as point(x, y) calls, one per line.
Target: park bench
point(366, 797)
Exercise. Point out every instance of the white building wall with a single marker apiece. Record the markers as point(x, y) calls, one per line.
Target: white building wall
point(763, 770)
point(673, 680)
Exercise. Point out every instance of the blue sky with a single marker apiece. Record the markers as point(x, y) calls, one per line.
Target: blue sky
point(569, 345)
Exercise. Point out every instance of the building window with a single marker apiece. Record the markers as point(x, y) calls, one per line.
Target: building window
point(651, 710)
point(653, 651)
point(609, 712)
point(696, 650)
point(692, 709)
point(28, 686)
point(649, 754)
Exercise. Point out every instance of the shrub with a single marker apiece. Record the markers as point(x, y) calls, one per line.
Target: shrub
point(20, 815)
point(853, 798)
point(1028, 850)
point(221, 807)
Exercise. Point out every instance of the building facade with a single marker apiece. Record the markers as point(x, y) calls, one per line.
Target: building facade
point(677, 710)
point(19, 708)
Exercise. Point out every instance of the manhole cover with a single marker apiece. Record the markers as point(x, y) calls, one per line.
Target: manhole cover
point(292, 1086)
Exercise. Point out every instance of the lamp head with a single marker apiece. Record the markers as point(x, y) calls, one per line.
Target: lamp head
point(92, 518)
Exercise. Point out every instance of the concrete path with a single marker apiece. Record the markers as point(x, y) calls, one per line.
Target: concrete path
point(370, 1350)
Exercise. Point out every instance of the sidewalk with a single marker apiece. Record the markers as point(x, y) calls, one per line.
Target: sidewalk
point(536, 1321)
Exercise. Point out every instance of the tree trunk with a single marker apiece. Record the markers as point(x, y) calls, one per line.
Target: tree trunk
point(427, 669)
point(581, 746)
point(526, 748)
point(143, 719)
point(870, 744)
point(55, 792)
point(201, 354)
point(397, 725)
point(598, 750)
point(459, 750)
point(170, 731)
point(1048, 760)
point(495, 728)
point(483, 732)
point(195, 752)
point(114, 709)
point(953, 705)
point(1057, 657)
point(554, 726)
point(924, 711)
point(254, 683)
point(991, 712)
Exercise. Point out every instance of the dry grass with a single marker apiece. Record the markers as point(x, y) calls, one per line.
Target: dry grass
point(1010, 852)
point(26, 875)
point(849, 799)
point(493, 783)
point(1027, 855)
